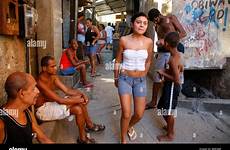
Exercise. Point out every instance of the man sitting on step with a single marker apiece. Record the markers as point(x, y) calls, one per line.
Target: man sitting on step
point(69, 63)
point(51, 106)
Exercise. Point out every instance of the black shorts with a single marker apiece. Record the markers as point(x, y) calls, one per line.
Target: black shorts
point(164, 101)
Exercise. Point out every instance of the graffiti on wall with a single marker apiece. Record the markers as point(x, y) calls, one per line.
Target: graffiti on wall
point(203, 21)
point(207, 12)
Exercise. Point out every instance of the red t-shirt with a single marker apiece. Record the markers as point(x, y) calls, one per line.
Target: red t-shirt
point(65, 62)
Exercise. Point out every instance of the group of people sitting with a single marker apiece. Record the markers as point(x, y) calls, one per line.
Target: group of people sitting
point(23, 91)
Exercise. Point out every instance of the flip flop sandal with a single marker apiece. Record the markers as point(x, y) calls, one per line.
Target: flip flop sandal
point(95, 74)
point(92, 75)
point(132, 134)
point(96, 128)
point(87, 141)
point(88, 85)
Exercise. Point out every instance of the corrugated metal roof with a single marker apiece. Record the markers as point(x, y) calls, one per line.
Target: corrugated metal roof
point(105, 7)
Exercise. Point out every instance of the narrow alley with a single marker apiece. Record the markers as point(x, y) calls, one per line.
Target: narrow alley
point(73, 34)
point(104, 107)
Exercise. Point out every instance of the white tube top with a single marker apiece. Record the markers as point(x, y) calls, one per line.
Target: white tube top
point(134, 59)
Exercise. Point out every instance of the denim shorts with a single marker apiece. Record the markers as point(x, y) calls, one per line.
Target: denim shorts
point(68, 71)
point(160, 62)
point(132, 86)
point(91, 50)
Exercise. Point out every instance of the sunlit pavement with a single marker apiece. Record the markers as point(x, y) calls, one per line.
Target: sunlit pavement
point(191, 126)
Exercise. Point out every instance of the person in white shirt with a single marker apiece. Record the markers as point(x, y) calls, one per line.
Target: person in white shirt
point(109, 30)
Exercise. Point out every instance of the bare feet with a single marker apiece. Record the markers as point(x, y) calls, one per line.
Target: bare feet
point(166, 138)
point(123, 142)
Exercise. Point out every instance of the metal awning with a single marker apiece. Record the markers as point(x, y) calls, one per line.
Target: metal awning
point(106, 7)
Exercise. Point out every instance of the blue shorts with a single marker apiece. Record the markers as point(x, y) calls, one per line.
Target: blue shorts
point(109, 40)
point(132, 86)
point(68, 71)
point(160, 62)
point(91, 50)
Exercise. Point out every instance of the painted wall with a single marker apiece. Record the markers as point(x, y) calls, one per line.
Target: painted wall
point(208, 32)
point(12, 58)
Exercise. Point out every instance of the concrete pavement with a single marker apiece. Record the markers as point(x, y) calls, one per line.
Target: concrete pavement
point(193, 125)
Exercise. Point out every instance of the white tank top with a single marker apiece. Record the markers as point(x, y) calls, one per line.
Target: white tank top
point(134, 59)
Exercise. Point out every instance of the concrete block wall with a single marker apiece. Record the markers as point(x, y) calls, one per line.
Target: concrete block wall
point(12, 58)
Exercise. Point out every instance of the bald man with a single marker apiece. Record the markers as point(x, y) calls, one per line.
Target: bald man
point(17, 123)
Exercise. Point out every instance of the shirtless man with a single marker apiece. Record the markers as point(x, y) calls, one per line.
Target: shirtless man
point(168, 101)
point(163, 25)
point(17, 122)
point(50, 104)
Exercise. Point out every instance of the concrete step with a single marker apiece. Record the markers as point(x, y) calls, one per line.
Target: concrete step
point(70, 80)
point(205, 104)
point(61, 131)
